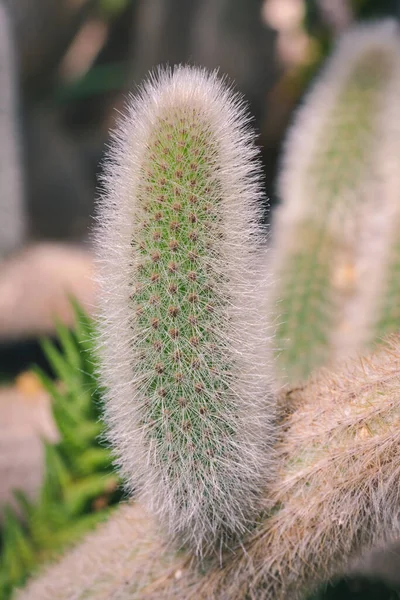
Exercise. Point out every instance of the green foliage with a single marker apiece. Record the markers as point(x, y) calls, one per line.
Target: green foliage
point(79, 483)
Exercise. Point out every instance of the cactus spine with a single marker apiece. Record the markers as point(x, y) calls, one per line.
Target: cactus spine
point(335, 497)
point(185, 354)
point(331, 179)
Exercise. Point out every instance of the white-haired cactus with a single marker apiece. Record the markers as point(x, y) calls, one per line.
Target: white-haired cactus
point(331, 231)
point(11, 194)
point(335, 497)
point(185, 355)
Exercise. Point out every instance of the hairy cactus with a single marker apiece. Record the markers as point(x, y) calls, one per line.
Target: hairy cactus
point(335, 497)
point(185, 355)
point(330, 246)
point(11, 196)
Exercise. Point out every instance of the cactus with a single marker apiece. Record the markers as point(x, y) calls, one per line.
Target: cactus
point(335, 496)
point(11, 196)
point(329, 242)
point(79, 484)
point(185, 356)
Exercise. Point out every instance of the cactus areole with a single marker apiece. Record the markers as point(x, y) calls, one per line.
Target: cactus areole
point(185, 337)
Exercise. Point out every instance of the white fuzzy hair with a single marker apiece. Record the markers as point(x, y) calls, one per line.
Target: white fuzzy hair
point(223, 500)
point(12, 226)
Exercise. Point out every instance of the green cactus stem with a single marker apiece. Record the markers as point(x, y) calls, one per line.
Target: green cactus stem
point(185, 355)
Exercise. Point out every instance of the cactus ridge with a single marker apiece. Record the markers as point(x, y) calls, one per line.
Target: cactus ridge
point(185, 333)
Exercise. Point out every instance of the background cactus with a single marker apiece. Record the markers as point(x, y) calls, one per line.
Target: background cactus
point(11, 195)
point(185, 356)
point(335, 497)
point(79, 483)
point(330, 245)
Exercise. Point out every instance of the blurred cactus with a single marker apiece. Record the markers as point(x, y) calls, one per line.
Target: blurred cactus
point(329, 242)
point(79, 484)
point(186, 357)
point(335, 496)
point(11, 193)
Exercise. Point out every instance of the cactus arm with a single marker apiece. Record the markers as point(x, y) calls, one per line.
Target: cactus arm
point(185, 338)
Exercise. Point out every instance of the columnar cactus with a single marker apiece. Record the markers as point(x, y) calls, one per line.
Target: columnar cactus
point(329, 240)
point(335, 497)
point(11, 194)
point(185, 354)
